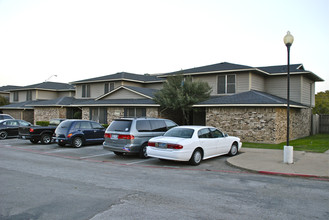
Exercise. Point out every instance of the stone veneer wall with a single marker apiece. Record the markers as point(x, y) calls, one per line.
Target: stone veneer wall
point(85, 115)
point(152, 112)
point(118, 112)
point(26, 115)
point(114, 113)
point(260, 124)
point(46, 114)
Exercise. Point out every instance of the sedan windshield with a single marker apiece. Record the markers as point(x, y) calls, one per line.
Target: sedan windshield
point(180, 132)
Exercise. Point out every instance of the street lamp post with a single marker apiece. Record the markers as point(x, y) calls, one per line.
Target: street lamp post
point(288, 150)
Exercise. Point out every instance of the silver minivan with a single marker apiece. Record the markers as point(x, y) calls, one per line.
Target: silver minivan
point(130, 135)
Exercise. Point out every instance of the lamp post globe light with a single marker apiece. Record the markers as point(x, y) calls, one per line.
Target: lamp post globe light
point(288, 150)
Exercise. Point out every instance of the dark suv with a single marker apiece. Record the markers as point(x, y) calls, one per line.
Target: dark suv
point(130, 135)
point(78, 132)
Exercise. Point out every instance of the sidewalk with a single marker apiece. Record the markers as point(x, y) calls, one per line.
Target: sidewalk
point(271, 162)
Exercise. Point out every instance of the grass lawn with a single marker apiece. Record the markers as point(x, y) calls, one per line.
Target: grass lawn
point(317, 143)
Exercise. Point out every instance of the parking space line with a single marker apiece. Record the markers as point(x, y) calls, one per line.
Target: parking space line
point(141, 161)
point(57, 150)
point(98, 155)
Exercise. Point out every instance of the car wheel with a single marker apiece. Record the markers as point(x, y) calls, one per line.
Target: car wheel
point(118, 153)
point(34, 141)
point(196, 157)
point(234, 150)
point(45, 139)
point(142, 152)
point(3, 135)
point(77, 142)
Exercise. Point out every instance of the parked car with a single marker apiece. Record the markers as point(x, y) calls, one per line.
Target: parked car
point(5, 116)
point(193, 144)
point(43, 134)
point(9, 127)
point(130, 135)
point(78, 132)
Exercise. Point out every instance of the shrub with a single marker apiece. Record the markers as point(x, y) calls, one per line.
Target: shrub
point(42, 123)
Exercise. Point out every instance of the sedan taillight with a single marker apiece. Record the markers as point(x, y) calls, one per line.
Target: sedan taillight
point(107, 135)
point(31, 130)
point(151, 144)
point(174, 146)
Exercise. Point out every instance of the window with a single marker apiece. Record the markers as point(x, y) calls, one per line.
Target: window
point(108, 87)
point(98, 115)
point(135, 112)
point(216, 133)
point(29, 95)
point(85, 90)
point(226, 84)
point(158, 125)
point(143, 126)
point(15, 96)
point(204, 133)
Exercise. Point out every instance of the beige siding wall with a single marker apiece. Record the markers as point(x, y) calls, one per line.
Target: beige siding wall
point(242, 82)
point(308, 96)
point(277, 85)
point(40, 94)
point(257, 82)
point(154, 85)
point(210, 79)
point(124, 94)
point(125, 83)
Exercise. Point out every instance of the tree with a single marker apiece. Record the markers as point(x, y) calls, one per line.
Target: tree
point(3, 101)
point(180, 93)
point(321, 103)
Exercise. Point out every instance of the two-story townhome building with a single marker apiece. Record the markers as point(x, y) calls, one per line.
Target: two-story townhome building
point(249, 102)
point(24, 98)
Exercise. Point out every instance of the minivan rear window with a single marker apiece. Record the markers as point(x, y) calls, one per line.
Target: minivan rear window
point(143, 126)
point(158, 125)
point(120, 125)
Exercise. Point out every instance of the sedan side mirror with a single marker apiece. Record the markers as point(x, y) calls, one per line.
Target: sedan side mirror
point(225, 135)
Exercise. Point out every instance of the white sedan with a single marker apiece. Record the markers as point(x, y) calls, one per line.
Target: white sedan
point(193, 144)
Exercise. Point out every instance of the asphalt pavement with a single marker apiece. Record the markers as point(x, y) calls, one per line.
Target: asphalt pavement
point(305, 164)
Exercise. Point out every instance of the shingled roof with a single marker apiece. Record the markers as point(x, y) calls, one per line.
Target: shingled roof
point(249, 98)
point(218, 67)
point(48, 86)
point(121, 76)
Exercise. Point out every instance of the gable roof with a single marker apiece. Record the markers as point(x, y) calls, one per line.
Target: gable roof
point(56, 86)
point(122, 76)
point(249, 98)
point(8, 88)
point(294, 69)
point(226, 67)
point(146, 92)
point(218, 67)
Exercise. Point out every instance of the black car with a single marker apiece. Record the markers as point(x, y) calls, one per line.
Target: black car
point(78, 132)
point(9, 127)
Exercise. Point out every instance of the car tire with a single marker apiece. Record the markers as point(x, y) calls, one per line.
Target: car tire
point(142, 152)
point(77, 142)
point(118, 153)
point(3, 135)
point(34, 141)
point(45, 139)
point(234, 150)
point(196, 157)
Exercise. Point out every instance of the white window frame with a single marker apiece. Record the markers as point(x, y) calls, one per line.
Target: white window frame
point(226, 84)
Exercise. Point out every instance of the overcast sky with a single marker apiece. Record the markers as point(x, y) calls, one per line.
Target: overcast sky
point(80, 39)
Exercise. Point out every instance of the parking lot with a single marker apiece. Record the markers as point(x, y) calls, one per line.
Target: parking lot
point(96, 153)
